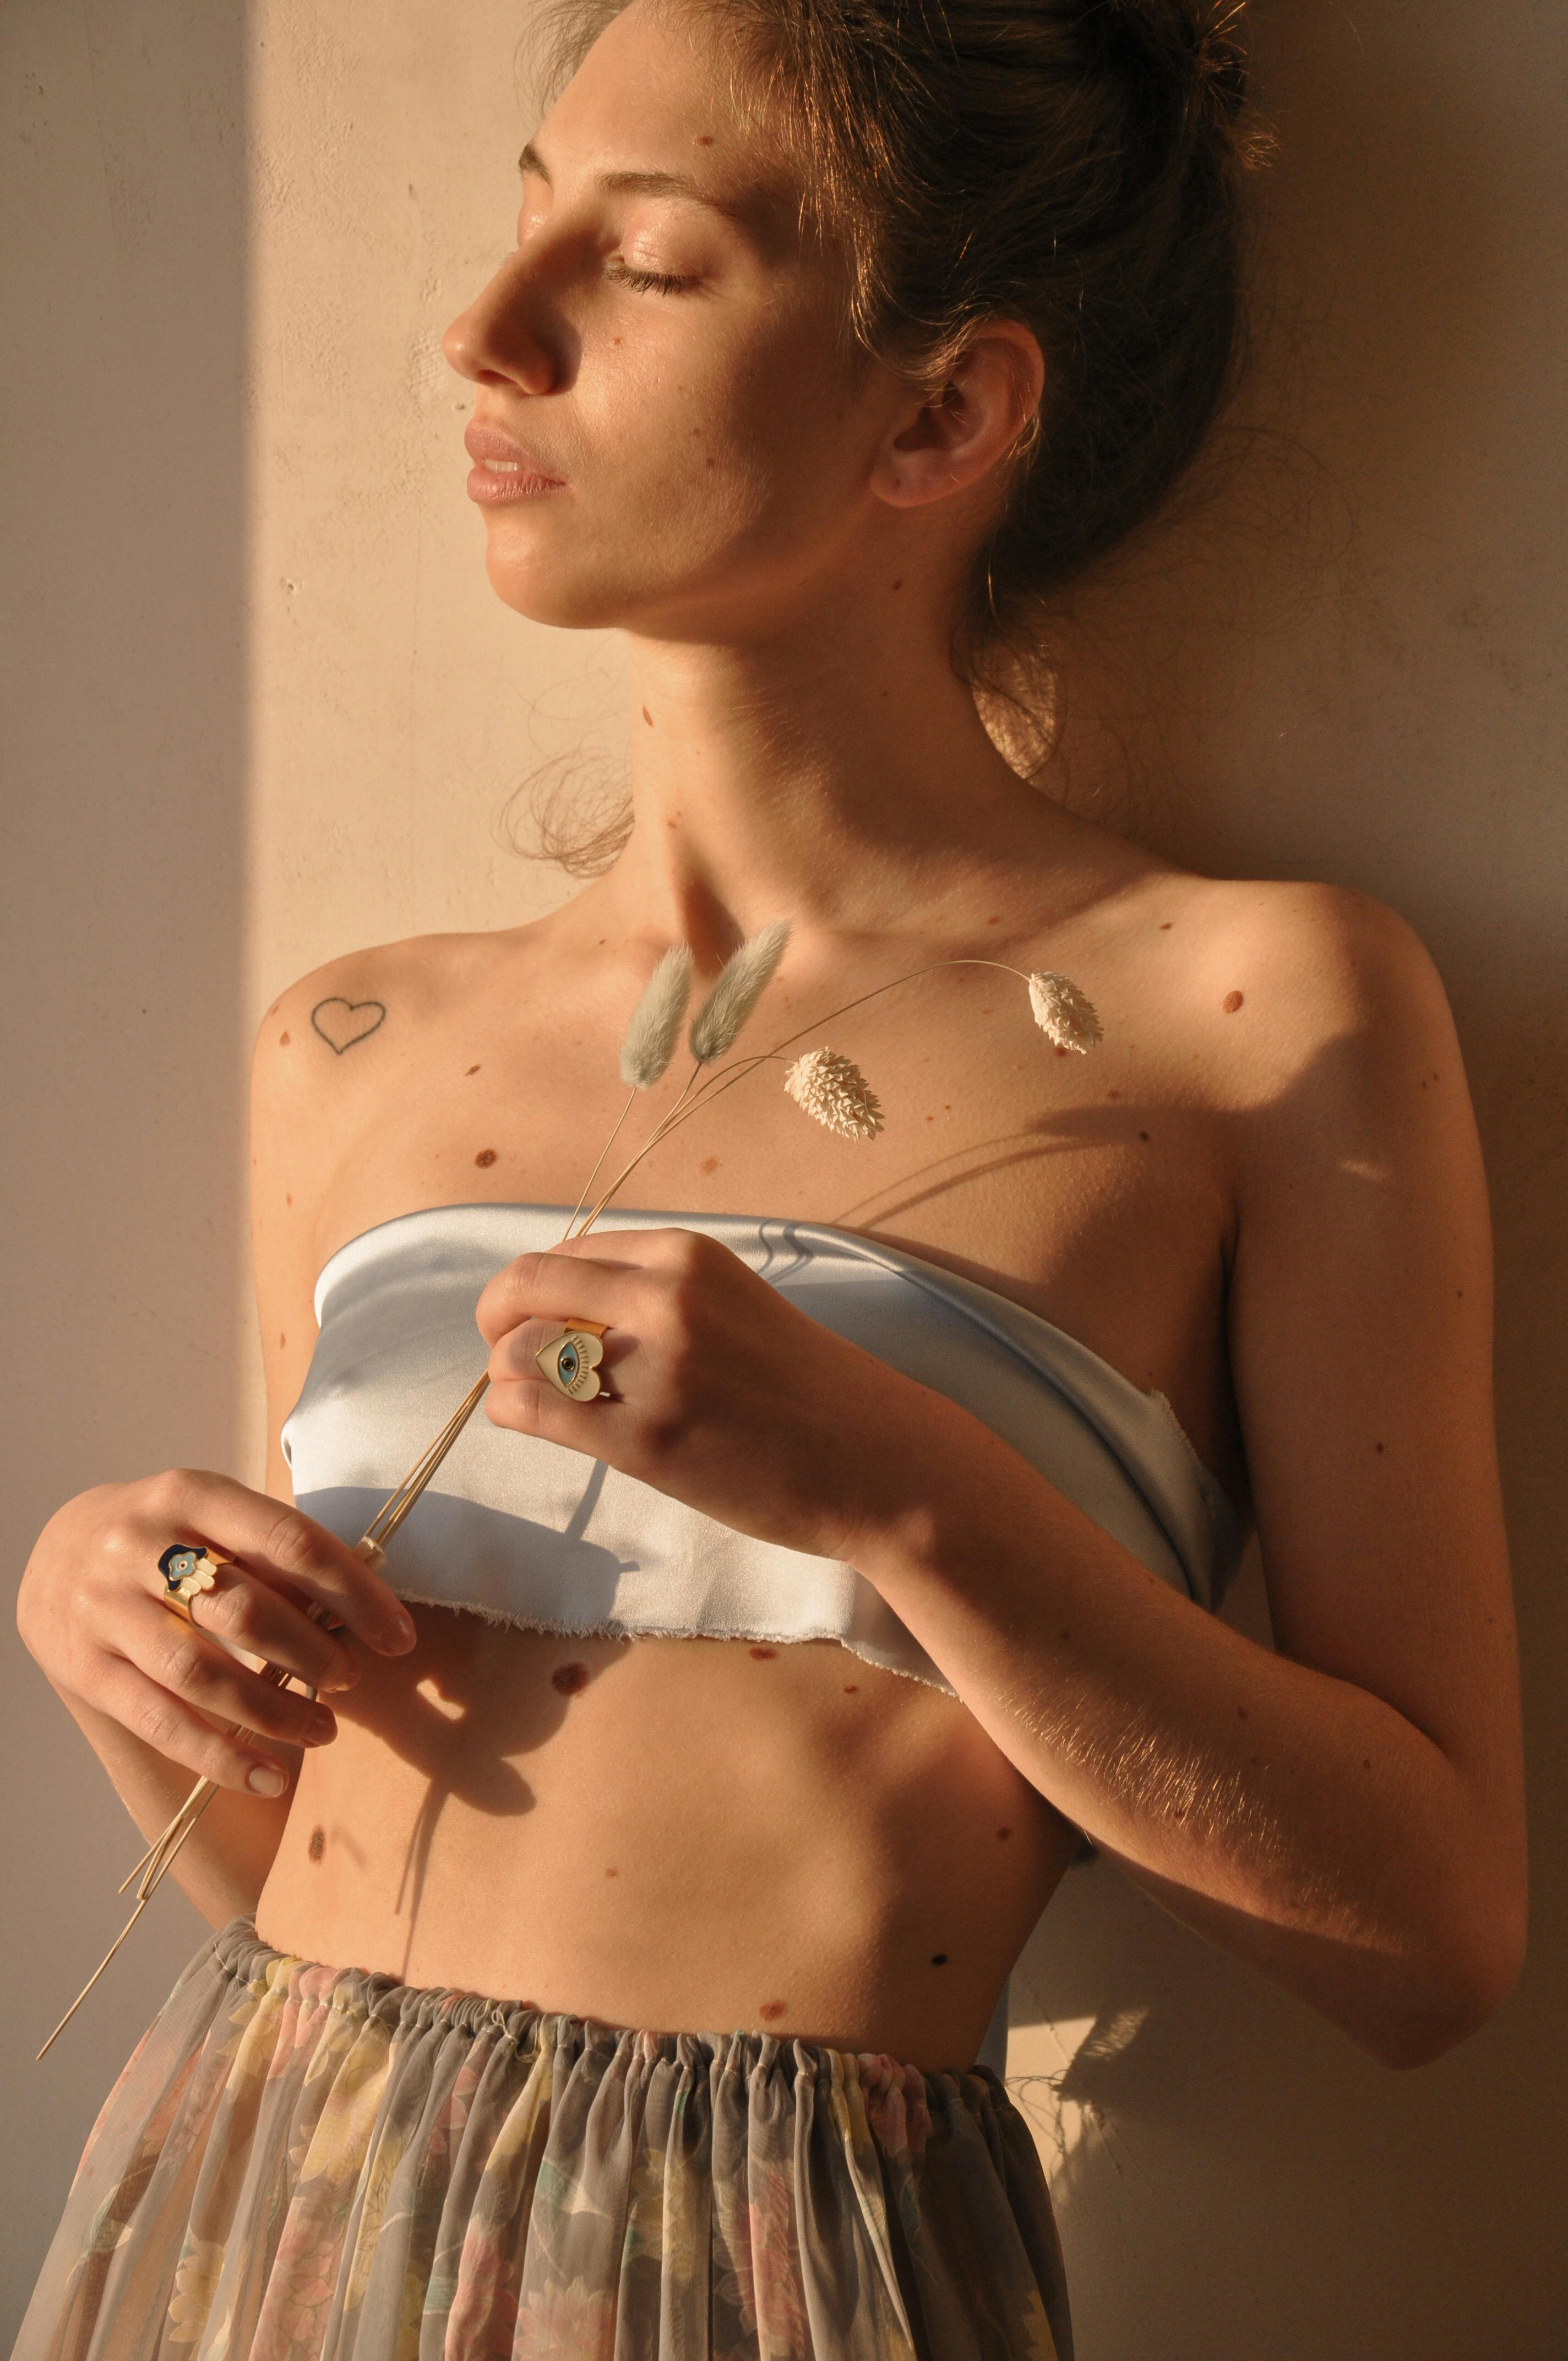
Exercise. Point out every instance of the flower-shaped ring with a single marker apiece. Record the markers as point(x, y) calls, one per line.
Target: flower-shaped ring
point(186, 1573)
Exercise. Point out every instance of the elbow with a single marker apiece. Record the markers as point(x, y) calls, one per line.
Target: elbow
point(1459, 1993)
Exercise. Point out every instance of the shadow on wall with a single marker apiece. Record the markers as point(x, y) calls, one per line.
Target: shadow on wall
point(122, 180)
point(1347, 667)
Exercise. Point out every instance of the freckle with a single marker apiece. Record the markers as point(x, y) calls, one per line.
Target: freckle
point(994, 922)
point(899, 584)
point(647, 717)
point(282, 1040)
point(317, 1844)
point(484, 1158)
point(570, 1679)
point(288, 1200)
point(938, 1959)
point(1241, 1713)
point(1142, 1135)
point(1164, 925)
point(1003, 1834)
point(705, 138)
point(1060, 1051)
point(851, 1688)
point(1112, 1094)
point(1459, 1291)
point(1377, 1446)
point(930, 1118)
point(772, 2008)
point(710, 461)
point(282, 1340)
point(709, 1164)
point(1365, 1763)
point(1230, 1003)
point(471, 1070)
point(612, 1872)
point(763, 1654)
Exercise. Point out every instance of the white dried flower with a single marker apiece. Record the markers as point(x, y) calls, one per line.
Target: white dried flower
point(655, 1026)
point(1063, 1014)
point(740, 984)
point(834, 1093)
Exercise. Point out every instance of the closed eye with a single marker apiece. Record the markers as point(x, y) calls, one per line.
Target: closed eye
point(644, 282)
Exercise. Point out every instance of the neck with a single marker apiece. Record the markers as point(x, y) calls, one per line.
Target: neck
point(832, 770)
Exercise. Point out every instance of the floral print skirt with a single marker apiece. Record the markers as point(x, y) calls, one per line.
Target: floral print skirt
point(302, 2161)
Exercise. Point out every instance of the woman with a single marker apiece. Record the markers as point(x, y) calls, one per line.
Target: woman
point(606, 1969)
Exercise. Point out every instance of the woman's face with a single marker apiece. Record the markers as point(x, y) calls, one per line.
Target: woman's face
point(666, 433)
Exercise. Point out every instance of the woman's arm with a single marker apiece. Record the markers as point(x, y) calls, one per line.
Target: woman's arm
point(1347, 1814)
point(159, 1700)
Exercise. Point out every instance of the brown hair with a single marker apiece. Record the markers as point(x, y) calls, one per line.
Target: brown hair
point(1076, 165)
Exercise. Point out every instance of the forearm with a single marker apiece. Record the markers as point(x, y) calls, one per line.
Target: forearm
point(1296, 1820)
point(224, 1863)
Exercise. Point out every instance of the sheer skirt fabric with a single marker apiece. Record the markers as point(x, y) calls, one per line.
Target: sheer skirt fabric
point(306, 2163)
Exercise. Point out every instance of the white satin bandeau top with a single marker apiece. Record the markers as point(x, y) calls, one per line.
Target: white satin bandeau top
point(529, 1532)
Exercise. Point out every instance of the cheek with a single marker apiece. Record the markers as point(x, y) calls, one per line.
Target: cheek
point(690, 465)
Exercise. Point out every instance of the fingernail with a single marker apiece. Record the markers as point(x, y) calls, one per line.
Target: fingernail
point(341, 1676)
point(266, 1779)
point(399, 1632)
point(319, 1727)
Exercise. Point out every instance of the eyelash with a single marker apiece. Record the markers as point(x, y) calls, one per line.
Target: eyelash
point(646, 283)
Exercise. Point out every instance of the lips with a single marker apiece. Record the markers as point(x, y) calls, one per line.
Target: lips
point(507, 472)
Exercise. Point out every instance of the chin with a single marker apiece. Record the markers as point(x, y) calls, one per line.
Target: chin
point(557, 593)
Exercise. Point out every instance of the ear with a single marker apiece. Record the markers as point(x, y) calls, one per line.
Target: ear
point(969, 424)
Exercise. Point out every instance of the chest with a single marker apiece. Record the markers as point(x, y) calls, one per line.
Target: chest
point(1090, 1189)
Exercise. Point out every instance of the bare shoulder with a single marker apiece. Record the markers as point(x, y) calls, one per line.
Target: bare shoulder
point(1286, 1001)
point(336, 1054)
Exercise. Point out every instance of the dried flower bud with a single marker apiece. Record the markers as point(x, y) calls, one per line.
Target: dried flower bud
point(655, 1026)
point(834, 1093)
point(741, 983)
point(1063, 1013)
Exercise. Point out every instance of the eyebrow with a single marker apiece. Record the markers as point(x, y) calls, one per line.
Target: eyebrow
point(744, 210)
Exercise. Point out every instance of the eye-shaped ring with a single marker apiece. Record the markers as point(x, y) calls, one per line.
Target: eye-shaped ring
point(571, 1361)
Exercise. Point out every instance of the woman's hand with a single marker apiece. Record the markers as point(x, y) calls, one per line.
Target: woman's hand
point(719, 1391)
point(91, 1612)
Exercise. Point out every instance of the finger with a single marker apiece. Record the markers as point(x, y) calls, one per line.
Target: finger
point(178, 1733)
point(244, 1611)
point(193, 1668)
point(558, 1286)
point(277, 1541)
point(530, 1406)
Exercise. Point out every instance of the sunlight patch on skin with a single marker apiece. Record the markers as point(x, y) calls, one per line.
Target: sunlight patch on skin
point(428, 1690)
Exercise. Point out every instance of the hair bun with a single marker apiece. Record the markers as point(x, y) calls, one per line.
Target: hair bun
point(1197, 44)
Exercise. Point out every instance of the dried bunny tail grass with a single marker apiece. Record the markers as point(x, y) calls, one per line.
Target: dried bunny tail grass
point(1065, 1014)
point(742, 982)
point(834, 1093)
point(655, 1026)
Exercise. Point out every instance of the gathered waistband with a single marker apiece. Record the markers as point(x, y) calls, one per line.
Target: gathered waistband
point(380, 1997)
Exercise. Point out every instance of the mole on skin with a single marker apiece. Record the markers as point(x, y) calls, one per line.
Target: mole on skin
point(318, 1843)
point(571, 1680)
point(762, 1654)
point(772, 2008)
point(486, 1157)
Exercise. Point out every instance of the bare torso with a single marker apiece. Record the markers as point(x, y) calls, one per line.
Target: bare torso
point(698, 1833)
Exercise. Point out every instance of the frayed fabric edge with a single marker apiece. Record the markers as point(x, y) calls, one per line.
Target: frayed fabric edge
point(498, 1617)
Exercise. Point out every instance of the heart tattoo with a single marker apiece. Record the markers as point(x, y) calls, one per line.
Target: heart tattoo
point(341, 1023)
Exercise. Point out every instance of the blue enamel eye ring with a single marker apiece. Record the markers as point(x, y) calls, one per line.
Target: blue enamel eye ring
point(571, 1362)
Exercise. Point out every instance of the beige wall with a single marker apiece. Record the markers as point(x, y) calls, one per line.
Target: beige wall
point(264, 708)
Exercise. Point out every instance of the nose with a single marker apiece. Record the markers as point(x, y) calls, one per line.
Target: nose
point(498, 339)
